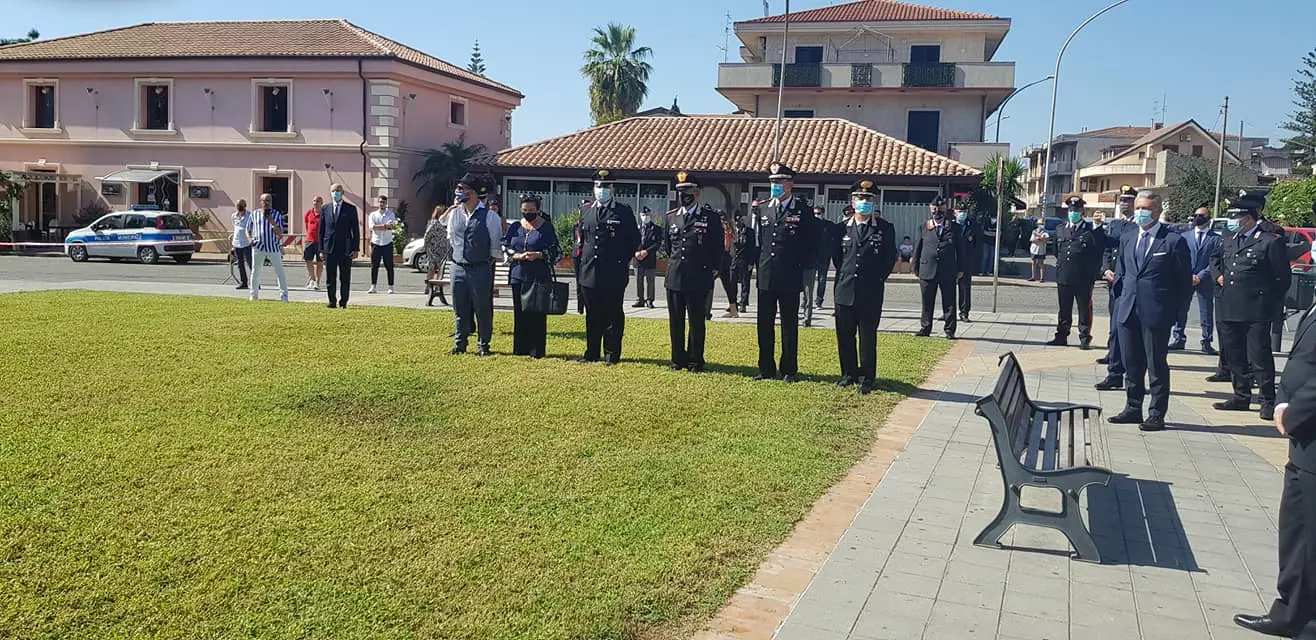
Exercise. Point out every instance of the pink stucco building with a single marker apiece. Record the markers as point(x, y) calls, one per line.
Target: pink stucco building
point(193, 116)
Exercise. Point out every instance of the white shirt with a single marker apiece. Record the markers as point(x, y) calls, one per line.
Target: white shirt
point(241, 237)
point(457, 220)
point(382, 238)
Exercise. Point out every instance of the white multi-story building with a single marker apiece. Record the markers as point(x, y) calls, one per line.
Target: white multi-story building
point(921, 74)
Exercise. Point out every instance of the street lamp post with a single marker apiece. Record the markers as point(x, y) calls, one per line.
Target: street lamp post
point(1051, 131)
point(1000, 111)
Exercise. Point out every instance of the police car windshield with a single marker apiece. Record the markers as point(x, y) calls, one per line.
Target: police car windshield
point(171, 221)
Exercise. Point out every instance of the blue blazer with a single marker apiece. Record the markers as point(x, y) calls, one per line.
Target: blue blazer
point(1153, 289)
point(1201, 254)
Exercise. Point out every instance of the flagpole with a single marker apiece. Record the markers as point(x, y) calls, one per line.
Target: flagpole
point(781, 86)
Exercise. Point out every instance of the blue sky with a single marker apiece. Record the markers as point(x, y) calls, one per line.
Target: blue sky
point(1191, 53)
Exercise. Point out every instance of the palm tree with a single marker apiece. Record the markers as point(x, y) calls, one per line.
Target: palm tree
point(444, 166)
point(617, 72)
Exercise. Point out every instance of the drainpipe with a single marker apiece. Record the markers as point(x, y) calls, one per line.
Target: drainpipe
point(365, 159)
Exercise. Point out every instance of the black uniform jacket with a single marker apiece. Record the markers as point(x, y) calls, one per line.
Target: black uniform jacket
point(1078, 253)
point(940, 254)
point(1255, 269)
point(866, 254)
point(609, 238)
point(694, 245)
point(1297, 387)
point(786, 244)
point(651, 240)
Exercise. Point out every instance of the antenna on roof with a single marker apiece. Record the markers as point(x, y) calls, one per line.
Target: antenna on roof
point(765, 8)
point(726, 38)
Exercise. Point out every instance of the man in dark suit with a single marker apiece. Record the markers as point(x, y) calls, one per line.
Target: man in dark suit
point(1078, 257)
point(1293, 614)
point(1114, 232)
point(941, 259)
point(1154, 274)
point(609, 237)
point(1202, 245)
point(865, 255)
point(744, 255)
point(340, 237)
point(972, 247)
point(693, 243)
point(786, 244)
point(646, 259)
point(1252, 270)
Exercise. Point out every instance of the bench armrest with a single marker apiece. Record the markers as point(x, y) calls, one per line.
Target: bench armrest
point(1063, 407)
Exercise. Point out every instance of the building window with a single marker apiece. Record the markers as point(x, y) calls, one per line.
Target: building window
point(1197, 151)
point(457, 112)
point(40, 104)
point(274, 109)
point(1170, 147)
point(155, 108)
point(923, 129)
point(797, 113)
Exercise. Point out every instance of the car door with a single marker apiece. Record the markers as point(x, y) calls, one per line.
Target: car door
point(106, 231)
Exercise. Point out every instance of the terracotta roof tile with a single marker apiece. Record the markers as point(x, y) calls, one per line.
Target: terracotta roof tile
point(1117, 132)
point(236, 39)
point(733, 144)
point(877, 11)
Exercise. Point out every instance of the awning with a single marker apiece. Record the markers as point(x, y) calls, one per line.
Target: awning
point(136, 175)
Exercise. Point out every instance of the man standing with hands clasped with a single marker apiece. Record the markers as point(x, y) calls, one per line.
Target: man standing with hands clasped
point(693, 243)
point(340, 236)
point(941, 260)
point(609, 237)
point(865, 256)
point(1252, 271)
point(1293, 614)
point(646, 259)
point(786, 241)
point(1153, 275)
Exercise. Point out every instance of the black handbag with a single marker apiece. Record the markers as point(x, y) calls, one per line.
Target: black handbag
point(550, 298)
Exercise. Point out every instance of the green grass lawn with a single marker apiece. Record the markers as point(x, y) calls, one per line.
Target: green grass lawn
point(177, 467)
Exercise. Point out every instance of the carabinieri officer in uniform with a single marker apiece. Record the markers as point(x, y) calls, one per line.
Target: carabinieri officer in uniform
point(694, 247)
point(865, 257)
point(609, 237)
point(785, 237)
point(1078, 257)
point(1252, 271)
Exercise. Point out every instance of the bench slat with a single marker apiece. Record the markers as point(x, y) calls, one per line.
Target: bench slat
point(1036, 429)
point(1051, 442)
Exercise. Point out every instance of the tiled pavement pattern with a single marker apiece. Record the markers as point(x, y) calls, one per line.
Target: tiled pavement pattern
point(1188, 529)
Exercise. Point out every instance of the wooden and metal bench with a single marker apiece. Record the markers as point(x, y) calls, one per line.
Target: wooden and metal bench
point(435, 286)
point(1046, 445)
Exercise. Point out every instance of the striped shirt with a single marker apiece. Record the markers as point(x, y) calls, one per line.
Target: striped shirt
point(262, 229)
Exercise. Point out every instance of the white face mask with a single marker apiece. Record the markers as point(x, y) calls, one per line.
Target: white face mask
point(602, 194)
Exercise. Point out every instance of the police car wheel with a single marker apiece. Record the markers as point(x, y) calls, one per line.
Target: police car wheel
point(78, 253)
point(148, 255)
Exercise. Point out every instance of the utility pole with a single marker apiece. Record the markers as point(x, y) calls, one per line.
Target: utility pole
point(781, 82)
point(1220, 162)
point(1240, 140)
point(1000, 229)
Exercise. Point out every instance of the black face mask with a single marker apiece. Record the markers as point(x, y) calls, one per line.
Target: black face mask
point(687, 199)
point(530, 215)
point(938, 215)
point(1199, 220)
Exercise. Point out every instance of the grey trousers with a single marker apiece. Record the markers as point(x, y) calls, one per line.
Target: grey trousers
point(644, 277)
point(810, 284)
point(472, 303)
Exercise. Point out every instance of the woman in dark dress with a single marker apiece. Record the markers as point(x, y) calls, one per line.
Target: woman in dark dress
point(531, 246)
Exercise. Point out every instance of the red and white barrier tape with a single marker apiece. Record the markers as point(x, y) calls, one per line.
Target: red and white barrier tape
point(111, 243)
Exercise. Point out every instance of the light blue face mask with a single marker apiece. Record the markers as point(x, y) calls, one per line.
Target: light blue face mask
point(777, 190)
point(337, 196)
point(1233, 224)
point(863, 207)
point(602, 194)
point(1075, 216)
point(961, 216)
point(1142, 217)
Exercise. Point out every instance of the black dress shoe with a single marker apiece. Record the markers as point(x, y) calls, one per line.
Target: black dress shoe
point(1152, 423)
point(456, 351)
point(1232, 404)
point(483, 352)
point(240, 287)
point(950, 335)
point(788, 378)
point(697, 367)
point(1127, 416)
point(333, 305)
point(1209, 350)
point(1111, 383)
point(923, 333)
point(342, 305)
point(1220, 377)
point(808, 323)
point(675, 366)
point(1103, 360)
point(744, 308)
point(845, 381)
point(765, 376)
point(1265, 624)
point(638, 304)
point(1058, 342)
point(587, 359)
point(865, 387)
point(611, 360)
point(964, 317)
point(1085, 345)
point(1177, 346)
point(1267, 411)
point(649, 304)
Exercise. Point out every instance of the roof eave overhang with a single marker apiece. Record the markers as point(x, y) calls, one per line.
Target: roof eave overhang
point(1001, 25)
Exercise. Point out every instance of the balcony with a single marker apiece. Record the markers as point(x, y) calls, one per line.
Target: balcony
point(1114, 170)
point(997, 76)
point(1061, 167)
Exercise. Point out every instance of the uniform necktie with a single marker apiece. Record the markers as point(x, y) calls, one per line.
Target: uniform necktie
point(1143, 243)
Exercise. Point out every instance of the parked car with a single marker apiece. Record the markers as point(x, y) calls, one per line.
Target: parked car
point(143, 235)
point(1299, 241)
point(414, 254)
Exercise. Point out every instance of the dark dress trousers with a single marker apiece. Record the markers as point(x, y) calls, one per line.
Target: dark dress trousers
point(1114, 233)
point(1202, 248)
point(693, 243)
point(939, 255)
point(1255, 270)
point(340, 237)
point(609, 237)
point(1078, 256)
point(1152, 283)
point(651, 240)
point(972, 248)
point(744, 254)
point(865, 256)
point(1296, 605)
point(786, 245)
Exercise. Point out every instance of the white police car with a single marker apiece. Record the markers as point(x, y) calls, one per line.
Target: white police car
point(415, 255)
point(144, 235)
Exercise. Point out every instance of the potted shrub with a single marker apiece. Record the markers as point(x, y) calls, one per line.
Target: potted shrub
point(565, 228)
point(400, 237)
point(196, 220)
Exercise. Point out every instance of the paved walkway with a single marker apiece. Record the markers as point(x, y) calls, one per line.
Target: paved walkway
point(1189, 531)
